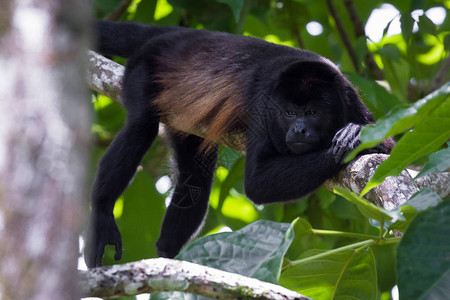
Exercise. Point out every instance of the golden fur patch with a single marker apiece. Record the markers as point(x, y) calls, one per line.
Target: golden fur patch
point(197, 97)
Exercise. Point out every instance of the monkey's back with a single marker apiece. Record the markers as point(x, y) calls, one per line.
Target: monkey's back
point(208, 81)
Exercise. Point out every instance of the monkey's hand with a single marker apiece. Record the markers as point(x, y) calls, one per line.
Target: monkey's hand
point(102, 231)
point(345, 141)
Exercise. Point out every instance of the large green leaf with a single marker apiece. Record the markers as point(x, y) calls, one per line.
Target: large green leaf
point(440, 290)
point(423, 255)
point(397, 70)
point(344, 275)
point(377, 98)
point(400, 120)
point(438, 162)
point(235, 177)
point(423, 200)
point(407, 24)
point(302, 227)
point(236, 7)
point(368, 209)
point(427, 137)
point(256, 250)
point(418, 202)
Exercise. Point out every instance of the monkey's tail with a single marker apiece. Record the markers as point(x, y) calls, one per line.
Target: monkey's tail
point(124, 38)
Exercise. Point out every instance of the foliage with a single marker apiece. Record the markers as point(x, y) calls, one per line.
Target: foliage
point(343, 246)
point(430, 120)
point(256, 250)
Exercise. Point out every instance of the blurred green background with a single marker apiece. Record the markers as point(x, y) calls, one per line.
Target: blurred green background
point(408, 40)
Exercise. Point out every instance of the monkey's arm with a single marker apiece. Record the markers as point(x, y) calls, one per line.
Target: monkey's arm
point(271, 177)
point(283, 178)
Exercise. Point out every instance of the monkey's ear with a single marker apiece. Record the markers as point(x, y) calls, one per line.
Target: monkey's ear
point(309, 70)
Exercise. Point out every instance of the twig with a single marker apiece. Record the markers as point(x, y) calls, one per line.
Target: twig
point(344, 36)
point(118, 11)
point(162, 274)
point(298, 37)
point(441, 75)
point(243, 16)
point(294, 25)
point(360, 32)
point(354, 17)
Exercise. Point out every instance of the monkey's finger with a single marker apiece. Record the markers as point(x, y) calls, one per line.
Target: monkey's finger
point(118, 245)
point(98, 255)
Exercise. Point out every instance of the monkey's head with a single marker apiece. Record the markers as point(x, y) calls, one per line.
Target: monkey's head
point(311, 106)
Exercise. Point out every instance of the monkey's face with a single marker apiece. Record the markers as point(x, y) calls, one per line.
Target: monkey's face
point(303, 123)
point(309, 117)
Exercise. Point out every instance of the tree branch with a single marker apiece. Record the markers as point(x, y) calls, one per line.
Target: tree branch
point(344, 36)
point(162, 274)
point(118, 11)
point(104, 76)
point(395, 190)
point(360, 32)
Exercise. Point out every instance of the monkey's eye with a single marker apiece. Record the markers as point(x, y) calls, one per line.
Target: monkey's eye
point(291, 113)
point(311, 113)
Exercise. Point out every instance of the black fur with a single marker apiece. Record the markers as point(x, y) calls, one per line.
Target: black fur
point(300, 115)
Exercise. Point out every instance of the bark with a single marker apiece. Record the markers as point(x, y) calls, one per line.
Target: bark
point(162, 274)
point(44, 138)
point(395, 190)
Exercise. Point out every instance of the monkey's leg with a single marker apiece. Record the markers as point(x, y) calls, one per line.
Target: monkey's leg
point(118, 166)
point(187, 210)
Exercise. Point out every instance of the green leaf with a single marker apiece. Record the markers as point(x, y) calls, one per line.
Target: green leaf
point(386, 29)
point(409, 213)
point(368, 209)
point(325, 196)
point(447, 42)
point(400, 120)
point(407, 23)
point(426, 138)
point(346, 274)
point(235, 5)
point(397, 69)
point(377, 98)
point(256, 250)
point(438, 162)
point(423, 254)
point(228, 157)
point(417, 4)
point(302, 227)
point(418, 202)
point(423, 200)
point(426, 25)
point(441, 289)
point(235, 176)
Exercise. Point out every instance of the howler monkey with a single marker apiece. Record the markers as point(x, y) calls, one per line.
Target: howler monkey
point(299, 114)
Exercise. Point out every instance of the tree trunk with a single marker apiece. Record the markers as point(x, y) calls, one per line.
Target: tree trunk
point(44, 139)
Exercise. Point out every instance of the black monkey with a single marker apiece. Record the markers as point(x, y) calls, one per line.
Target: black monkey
point(299, 114)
